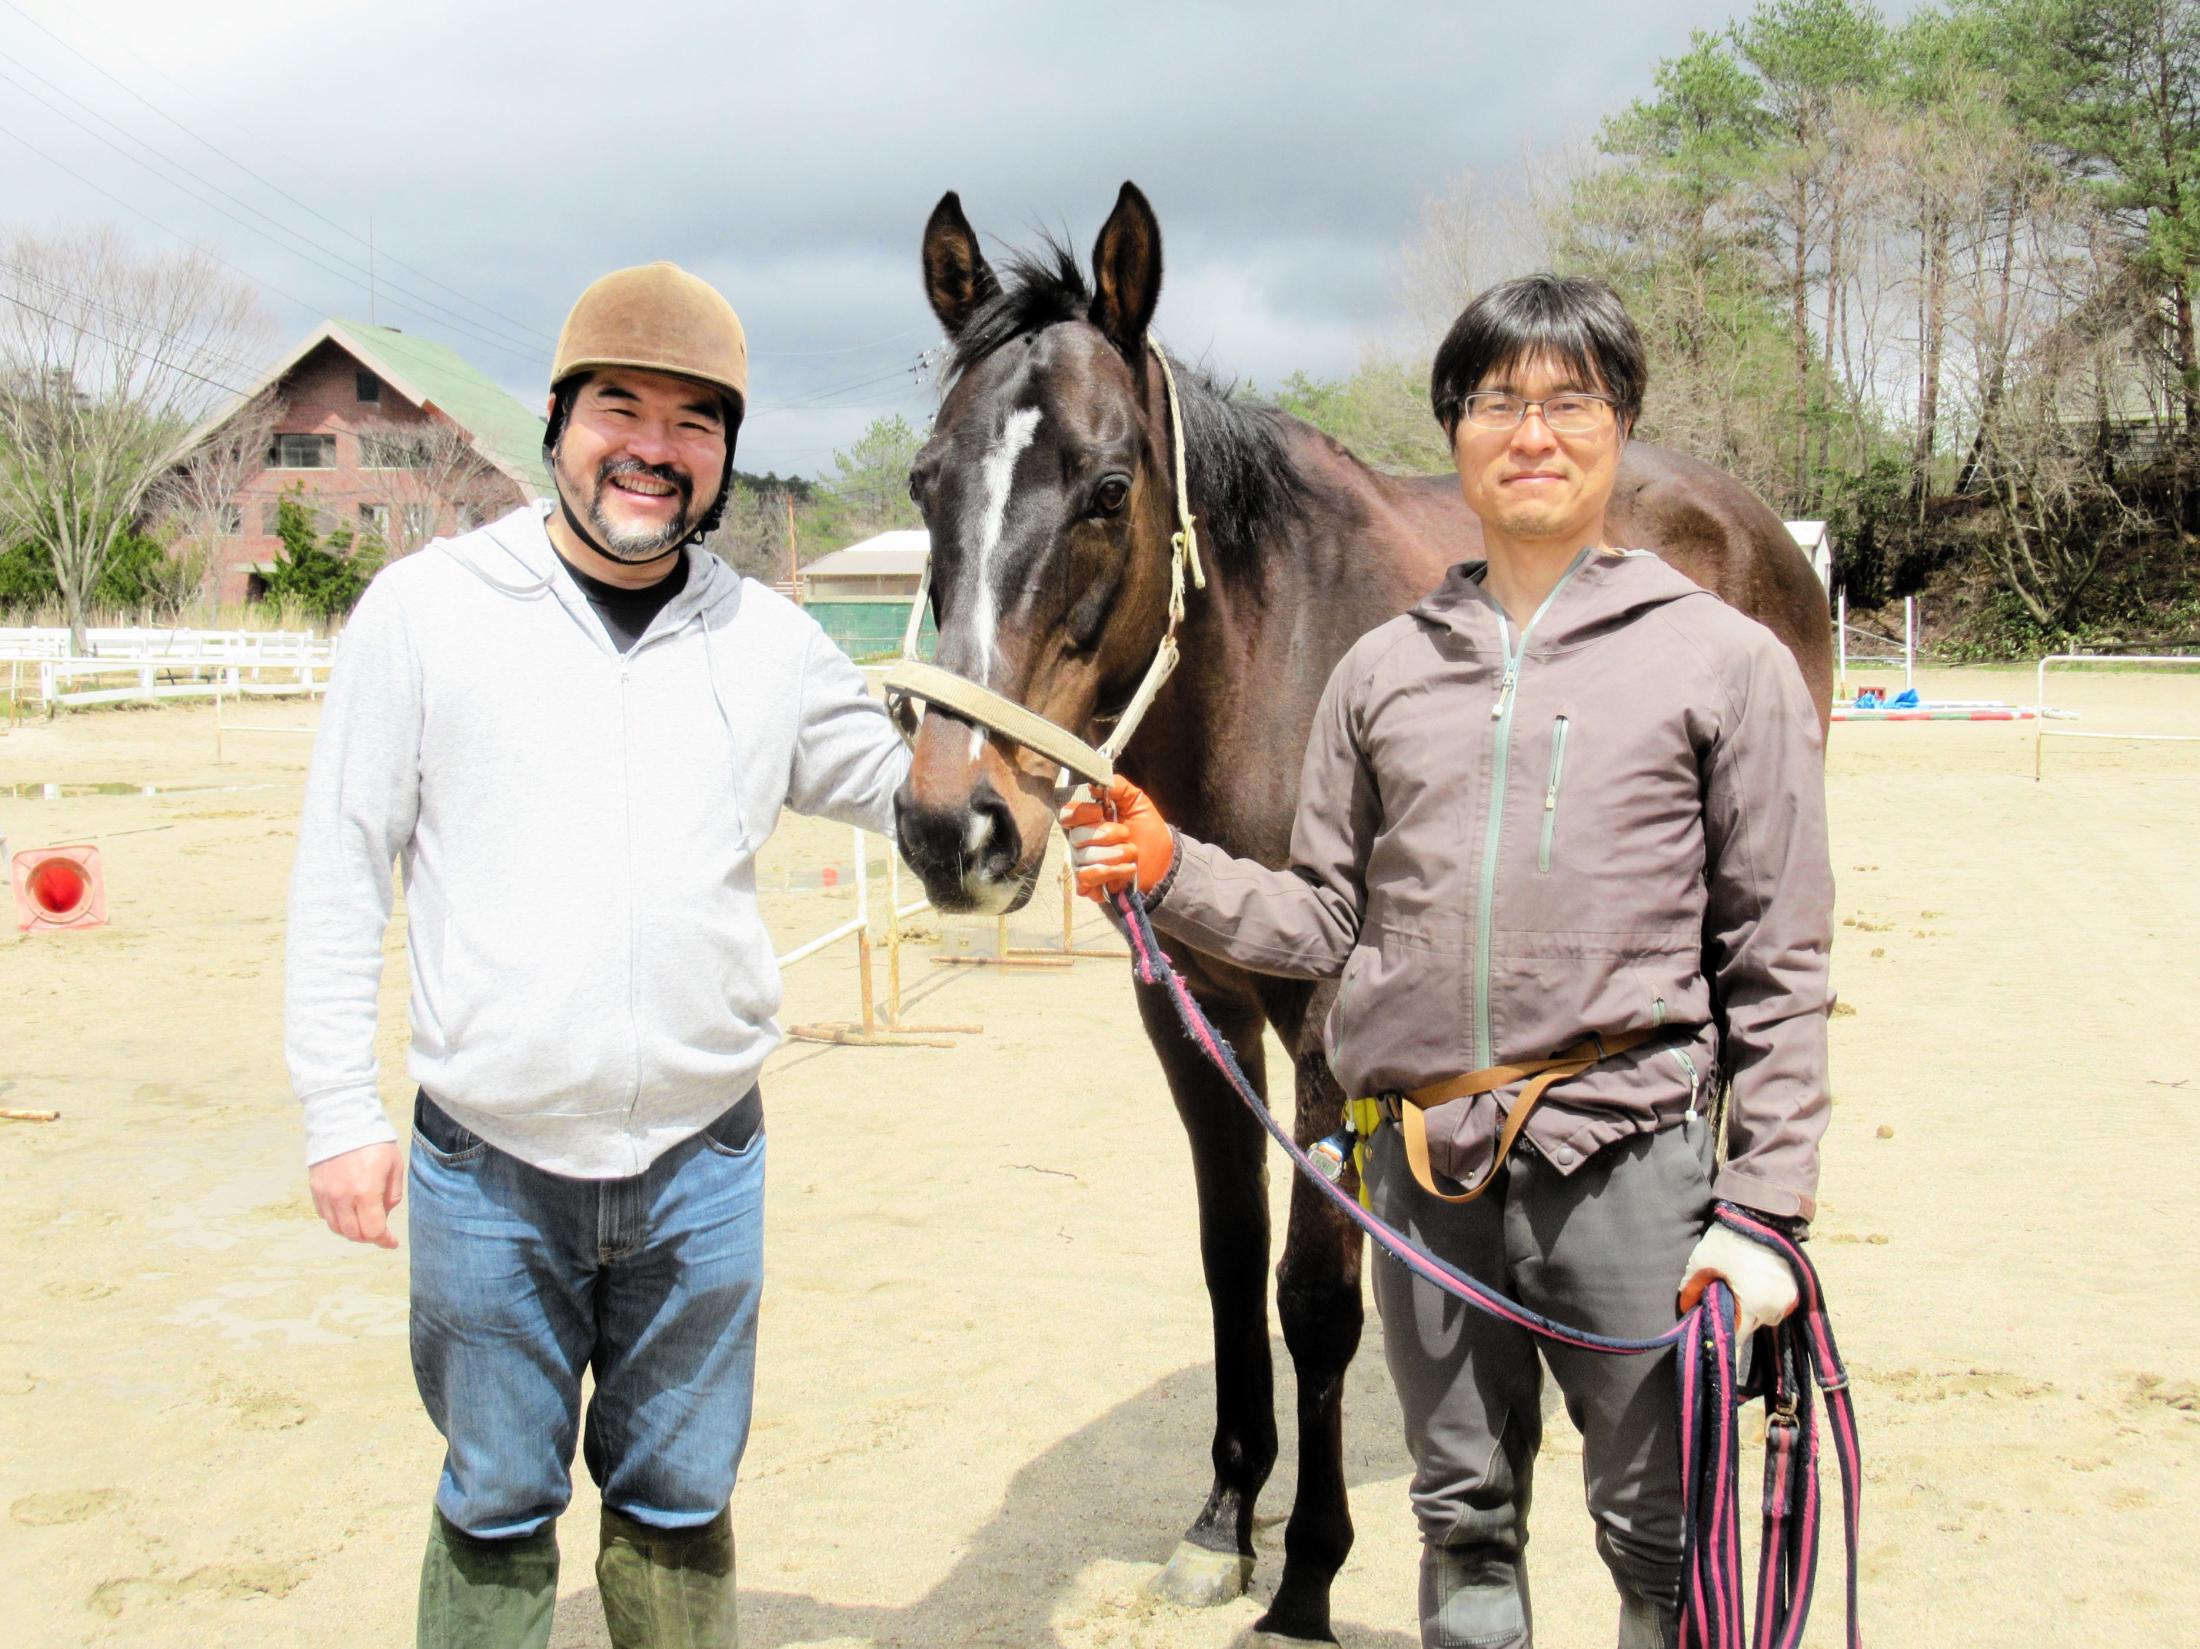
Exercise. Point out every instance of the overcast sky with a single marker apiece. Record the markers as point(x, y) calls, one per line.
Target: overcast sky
point(790, 154)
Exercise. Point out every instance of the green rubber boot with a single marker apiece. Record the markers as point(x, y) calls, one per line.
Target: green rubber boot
point(487, 1594)
point(667, 1588)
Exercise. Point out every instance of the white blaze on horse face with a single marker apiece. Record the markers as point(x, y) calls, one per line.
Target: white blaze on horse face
point(997, 477)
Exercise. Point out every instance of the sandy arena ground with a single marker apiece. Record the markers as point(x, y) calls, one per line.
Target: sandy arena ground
point(985, 1384)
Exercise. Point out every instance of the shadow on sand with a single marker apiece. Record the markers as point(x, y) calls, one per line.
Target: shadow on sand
point(1130, 1476)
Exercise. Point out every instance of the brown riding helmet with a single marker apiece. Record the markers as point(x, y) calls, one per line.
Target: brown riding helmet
point(656, 317)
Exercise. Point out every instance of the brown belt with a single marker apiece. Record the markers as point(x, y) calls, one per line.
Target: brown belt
point(1407, 1109)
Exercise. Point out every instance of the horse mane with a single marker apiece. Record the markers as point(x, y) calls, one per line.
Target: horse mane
point(1244, 484)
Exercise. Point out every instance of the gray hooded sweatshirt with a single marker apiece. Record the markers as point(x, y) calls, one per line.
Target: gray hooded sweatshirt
point(1508, 837)
point(591, 981)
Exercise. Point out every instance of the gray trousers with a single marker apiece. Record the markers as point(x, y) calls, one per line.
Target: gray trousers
point(1601, 1249)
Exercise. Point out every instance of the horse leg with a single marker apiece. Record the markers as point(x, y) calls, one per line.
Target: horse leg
point(1318, 1299)
point(1214, 1561)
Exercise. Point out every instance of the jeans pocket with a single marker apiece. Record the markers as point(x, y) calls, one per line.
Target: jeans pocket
point(739, 1129)
point(443, 1138)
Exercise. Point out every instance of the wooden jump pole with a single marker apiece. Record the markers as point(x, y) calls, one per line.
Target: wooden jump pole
point(1069, 947)
point(868, 1031)
point(894, 912)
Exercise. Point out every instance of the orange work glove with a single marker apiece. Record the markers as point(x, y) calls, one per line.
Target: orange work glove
point(1110, 853)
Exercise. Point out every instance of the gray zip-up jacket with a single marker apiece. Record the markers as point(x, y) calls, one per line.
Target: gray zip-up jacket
point(1509, 837)
point(591, 980)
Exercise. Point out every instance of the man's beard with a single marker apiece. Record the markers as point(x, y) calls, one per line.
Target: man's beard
point(639, 543)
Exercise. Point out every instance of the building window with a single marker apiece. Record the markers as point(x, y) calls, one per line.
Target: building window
point(370, 388)
point(392, 452)
point(374, 519)
point(303, 452)
point(230, 521)
point(419, 523)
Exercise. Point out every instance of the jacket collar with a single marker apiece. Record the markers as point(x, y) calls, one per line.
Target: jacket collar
point(524, 536)
point(1608, 587)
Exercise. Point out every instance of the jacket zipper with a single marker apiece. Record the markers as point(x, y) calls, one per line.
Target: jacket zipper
point(1688, 1065)
point(1501, 713)
point(1550, 794)
point(633, 944)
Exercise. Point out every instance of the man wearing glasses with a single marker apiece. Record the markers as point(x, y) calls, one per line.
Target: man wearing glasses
point(1570, 802)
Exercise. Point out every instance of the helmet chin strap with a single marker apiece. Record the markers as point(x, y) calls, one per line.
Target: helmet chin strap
point(580, 531)
point(555, 435)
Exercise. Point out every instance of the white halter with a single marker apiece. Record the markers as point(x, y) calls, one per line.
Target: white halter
point(911, 679)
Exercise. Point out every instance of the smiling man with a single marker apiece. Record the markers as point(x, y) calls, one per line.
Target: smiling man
point(574, 728)
point(1571, 804)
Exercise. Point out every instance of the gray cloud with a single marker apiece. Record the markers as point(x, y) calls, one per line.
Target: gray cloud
point(791, 154)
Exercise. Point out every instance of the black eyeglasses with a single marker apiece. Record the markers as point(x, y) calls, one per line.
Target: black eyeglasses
point(1573, 413)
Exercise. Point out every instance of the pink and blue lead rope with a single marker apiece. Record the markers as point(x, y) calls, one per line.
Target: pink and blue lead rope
point(1804, 1357)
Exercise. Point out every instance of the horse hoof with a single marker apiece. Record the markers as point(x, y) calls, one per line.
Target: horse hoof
point(1271, 1640)
point(1200, 1579)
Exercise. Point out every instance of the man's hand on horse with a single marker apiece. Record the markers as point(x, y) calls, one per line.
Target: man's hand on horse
point(1115, 844)
point(355, 1191)
point(1763, 1283)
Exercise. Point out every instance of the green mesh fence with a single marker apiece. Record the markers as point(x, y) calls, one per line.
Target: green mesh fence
point(868, 631)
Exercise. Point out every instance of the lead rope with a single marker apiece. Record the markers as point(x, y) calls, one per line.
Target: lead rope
point(1805, 1358)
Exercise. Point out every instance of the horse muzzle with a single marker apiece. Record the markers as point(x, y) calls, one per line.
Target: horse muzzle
point(969, 855)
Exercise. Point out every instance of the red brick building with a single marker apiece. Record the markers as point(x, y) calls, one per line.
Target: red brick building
point(390, 435)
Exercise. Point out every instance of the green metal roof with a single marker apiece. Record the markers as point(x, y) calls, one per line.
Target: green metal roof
point(507, 433)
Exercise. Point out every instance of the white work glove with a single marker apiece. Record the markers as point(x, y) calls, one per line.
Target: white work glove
point(1763, 1282)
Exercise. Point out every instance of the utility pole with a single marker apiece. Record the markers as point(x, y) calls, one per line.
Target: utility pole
point(794, 583)
point(370, 269)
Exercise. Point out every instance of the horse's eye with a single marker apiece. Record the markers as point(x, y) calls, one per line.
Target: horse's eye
point(916, 488)
point(1113, 493)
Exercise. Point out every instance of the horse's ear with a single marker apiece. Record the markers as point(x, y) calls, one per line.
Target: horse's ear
point(957, 278)
point(1126, 272)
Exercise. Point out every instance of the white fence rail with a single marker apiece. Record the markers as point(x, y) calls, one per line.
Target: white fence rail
point(1906, 656)
point(2041, 732)
point(874, 1028)
point(148, 680)
point(145, 642)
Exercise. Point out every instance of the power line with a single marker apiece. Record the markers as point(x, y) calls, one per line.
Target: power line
point(265, 183)
point(110, 313)
point(475, 331)
point(139, 211)
point(144, 355)
point(379, 253)
point(433, 311)
point(450, 317)
point(816, 397)
point(804, 354)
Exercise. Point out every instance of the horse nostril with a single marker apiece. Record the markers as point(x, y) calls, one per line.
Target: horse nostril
point(990, 841)
point(976, 842)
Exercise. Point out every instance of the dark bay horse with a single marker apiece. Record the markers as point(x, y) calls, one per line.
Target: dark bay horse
point(1048, 486)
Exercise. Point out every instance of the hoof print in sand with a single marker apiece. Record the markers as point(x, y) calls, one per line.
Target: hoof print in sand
point(116, 1597)
point(44, 1511)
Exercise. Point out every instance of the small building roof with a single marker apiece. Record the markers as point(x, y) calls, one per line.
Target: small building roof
point(428, 374)
point(432, 377)
point(1809, 534)
point(900, 553)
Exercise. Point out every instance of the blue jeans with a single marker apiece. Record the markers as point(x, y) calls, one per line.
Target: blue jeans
point(522, 1279)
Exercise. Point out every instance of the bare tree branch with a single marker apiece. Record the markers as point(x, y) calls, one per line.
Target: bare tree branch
point(419, 478)
point(107, 358)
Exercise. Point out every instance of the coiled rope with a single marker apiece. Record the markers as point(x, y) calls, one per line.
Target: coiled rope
point(1804, 1360)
